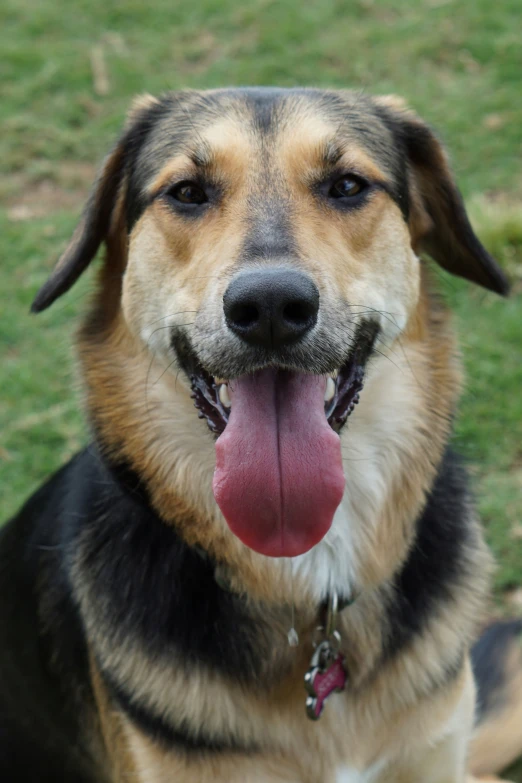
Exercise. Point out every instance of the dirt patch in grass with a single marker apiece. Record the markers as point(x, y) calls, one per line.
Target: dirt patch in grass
point(44, 199)
point(45, 191)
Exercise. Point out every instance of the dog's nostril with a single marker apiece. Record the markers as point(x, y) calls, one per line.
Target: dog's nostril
point(245, 315)
point(297, 313)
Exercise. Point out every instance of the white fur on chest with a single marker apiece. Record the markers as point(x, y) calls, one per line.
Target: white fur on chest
point(350, 775)
point(371, 442)
point(330, 564)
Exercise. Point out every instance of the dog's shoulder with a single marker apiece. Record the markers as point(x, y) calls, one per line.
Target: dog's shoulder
point(43, 656)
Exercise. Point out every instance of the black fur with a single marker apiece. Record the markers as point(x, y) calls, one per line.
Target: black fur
point(137, 138)
point(44, 681)
point(438, 560)
point(451, 241)
point(263, 103)
point(183, 739)
point(147, 584)
point(488, 657)
point(155, 587)
point(151, 586)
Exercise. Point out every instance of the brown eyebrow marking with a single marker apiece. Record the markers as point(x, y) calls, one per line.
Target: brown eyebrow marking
point(202, 156)
point(332, 153)
point(177, 168)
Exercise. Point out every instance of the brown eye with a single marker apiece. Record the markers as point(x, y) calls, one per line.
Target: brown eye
point(188, 193)
point(346, 187)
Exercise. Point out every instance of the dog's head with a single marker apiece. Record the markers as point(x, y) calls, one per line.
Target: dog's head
point(271, 239)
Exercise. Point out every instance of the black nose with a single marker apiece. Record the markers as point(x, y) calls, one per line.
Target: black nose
point(272, 307)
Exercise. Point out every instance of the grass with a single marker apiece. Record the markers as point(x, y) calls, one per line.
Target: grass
point(68, 74)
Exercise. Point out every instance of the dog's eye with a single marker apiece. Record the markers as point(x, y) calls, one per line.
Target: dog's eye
point(346, 187)
point(188, 193)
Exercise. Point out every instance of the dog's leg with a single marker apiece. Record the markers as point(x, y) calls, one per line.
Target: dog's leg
point(444, 760)
point(445, 763)
point(497, 662)
point(488, 780)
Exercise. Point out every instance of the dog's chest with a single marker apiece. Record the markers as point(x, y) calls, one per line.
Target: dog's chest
point(347, 774)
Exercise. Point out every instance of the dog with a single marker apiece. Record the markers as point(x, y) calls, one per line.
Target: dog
point(269, 524)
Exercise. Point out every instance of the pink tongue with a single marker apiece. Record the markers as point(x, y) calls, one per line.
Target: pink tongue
point(279, 474)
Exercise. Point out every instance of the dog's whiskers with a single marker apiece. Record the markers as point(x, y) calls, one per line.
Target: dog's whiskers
point(171, 315)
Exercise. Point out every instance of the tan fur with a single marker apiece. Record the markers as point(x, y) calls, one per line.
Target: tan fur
point(265, 579)
point(409, 719)
point(154, 766)
point(119, 761)
point(166, 256)
point(147, 397)
point(139, 104)
point(301, 755)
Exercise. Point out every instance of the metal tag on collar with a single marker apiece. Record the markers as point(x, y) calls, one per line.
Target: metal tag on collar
point(327, 673)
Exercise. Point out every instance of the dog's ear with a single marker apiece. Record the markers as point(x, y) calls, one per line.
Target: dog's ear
point(95, 222)
point(437, 215)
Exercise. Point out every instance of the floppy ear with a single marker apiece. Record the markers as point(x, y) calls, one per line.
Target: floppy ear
point(95, 222)
point(438, 218)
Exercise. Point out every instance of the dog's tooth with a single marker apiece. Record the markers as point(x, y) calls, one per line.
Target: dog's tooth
point(224, 396)
point(330, 390)
point(219, 381)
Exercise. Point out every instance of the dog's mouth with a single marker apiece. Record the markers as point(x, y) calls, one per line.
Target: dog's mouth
point(279, 474)
point(213, 400)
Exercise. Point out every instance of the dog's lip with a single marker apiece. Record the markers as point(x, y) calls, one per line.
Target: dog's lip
point(212, 398)
point(211, 395)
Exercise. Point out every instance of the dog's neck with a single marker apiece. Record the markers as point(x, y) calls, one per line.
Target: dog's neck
point(392, 447)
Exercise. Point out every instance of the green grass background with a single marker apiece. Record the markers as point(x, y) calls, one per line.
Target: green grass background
point(68, 72)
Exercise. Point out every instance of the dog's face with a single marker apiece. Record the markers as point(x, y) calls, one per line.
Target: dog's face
point(272, 245)
point(273, 226)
